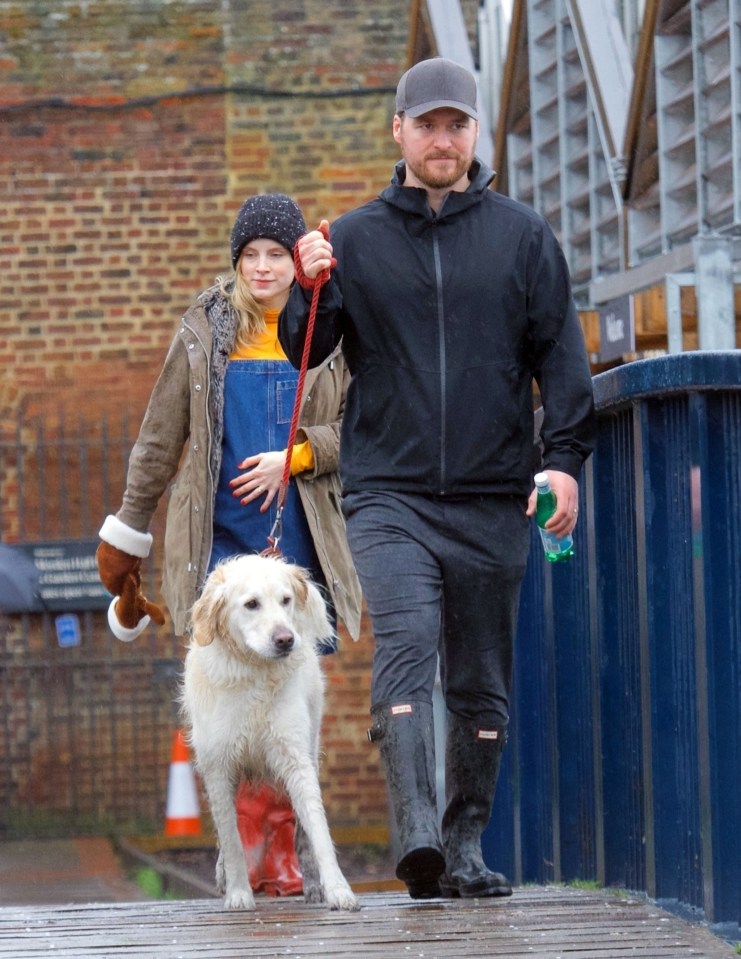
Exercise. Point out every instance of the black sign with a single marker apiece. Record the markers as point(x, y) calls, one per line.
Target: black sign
point(66, 577)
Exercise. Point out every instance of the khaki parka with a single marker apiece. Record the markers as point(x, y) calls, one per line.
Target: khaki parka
point(180, 437)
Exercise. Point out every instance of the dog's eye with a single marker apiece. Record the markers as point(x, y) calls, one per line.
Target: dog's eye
point(286, 601)
point(252, 604)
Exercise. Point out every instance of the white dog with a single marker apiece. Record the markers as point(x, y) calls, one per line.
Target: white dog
point(253, 696)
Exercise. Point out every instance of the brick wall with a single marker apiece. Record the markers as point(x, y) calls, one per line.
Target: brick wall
point(130, 132)
point(129, 137)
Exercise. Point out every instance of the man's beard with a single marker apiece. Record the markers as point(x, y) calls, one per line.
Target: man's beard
point(441, 179)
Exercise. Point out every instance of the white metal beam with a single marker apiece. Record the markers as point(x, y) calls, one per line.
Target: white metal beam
point(451, 40)
point(716, 316)
point(606, 60)
point(648, 274)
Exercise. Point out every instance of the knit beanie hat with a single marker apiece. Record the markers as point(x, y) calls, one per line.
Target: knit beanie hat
point(274, 216)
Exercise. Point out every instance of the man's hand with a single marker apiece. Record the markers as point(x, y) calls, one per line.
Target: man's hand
point(315, 251)
point(566, 490)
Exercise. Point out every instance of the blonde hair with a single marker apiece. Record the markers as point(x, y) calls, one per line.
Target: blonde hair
point(251, 317)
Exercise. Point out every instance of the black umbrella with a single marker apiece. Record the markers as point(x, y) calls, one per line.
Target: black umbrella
point(19, 581)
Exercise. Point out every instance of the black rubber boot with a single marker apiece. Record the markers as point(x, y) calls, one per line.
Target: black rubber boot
point(472, 758)
point(405, 735)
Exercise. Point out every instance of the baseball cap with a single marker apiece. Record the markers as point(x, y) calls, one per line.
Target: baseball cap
point(435, 83)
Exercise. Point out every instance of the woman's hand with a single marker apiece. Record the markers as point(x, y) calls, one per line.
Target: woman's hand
point(263, 473)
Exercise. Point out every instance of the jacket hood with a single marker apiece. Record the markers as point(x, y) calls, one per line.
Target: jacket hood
point(414, 199)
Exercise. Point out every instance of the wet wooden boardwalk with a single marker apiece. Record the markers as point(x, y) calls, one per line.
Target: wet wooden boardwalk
point(536, 923)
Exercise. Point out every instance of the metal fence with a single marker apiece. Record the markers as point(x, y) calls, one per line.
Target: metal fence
point(624, 764)
point(85, 729)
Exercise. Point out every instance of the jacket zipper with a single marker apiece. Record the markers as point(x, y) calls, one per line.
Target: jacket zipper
point(441, 338)
point(209, 527)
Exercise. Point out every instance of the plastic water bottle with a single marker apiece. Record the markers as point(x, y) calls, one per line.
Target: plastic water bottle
point(556, 548)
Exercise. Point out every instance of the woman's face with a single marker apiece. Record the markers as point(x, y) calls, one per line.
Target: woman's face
point(268, 269)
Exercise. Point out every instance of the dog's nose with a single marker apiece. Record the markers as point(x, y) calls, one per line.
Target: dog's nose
point(283, 641)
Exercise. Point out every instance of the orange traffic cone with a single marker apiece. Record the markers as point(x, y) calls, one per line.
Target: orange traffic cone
point(182, 817)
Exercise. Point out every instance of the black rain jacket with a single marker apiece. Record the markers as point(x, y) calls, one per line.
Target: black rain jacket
point(446, 320)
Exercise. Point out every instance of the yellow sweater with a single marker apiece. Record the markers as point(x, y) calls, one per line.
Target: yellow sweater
point(267, 347)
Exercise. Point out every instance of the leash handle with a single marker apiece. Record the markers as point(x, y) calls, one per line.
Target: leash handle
point(315, 285)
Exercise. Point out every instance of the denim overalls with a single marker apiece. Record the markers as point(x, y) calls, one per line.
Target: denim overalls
point(258, 404)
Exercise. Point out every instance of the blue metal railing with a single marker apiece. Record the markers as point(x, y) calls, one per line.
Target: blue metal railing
point(624, 762)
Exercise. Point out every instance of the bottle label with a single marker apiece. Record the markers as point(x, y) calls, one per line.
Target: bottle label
point(554, 544)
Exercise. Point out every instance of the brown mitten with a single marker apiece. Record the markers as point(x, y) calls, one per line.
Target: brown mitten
point(120, 573)
point(132, 606)
point(115, 566)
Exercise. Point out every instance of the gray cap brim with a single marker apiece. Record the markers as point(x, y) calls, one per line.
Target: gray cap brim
point(421, 108)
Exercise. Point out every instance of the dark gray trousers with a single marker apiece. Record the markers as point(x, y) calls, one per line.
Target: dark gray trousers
point(441, 576)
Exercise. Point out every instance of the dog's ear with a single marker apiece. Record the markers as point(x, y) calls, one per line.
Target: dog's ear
point(300, 584)
point(311, 608)
point(208, 616)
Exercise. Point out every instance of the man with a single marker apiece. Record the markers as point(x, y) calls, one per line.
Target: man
point(450, 300)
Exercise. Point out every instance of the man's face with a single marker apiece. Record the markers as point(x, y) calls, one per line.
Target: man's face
point(438, 147)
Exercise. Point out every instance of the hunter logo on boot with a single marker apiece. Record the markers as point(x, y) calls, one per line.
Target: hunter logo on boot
point(400, 710)
point(487, 734)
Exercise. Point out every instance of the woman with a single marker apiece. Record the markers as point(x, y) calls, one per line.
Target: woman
point(222, 405)
point(224, 399)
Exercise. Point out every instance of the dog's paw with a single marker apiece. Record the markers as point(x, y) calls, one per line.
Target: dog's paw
point(313, 891)
point(342, 897)
point(239, 899)
point(220, 876)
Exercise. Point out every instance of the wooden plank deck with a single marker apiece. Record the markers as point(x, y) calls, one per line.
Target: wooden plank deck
point(536, 923)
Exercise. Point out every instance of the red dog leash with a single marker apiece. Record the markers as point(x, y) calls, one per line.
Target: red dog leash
point(315, 285)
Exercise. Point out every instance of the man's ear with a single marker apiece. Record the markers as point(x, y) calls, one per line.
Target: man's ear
point(396, 128)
